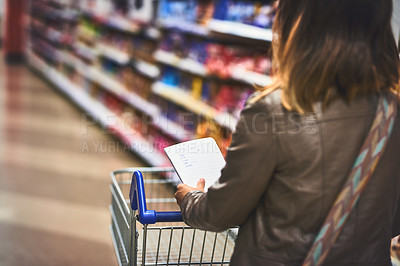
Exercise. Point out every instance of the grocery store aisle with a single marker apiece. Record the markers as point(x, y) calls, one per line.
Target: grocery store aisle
point(54, 177)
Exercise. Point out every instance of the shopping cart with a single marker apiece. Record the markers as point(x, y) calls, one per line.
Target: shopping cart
point(137, 234)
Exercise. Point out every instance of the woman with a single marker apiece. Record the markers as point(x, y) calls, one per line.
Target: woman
point(296, 141)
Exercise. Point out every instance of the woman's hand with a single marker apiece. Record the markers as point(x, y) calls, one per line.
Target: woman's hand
point(184, 189)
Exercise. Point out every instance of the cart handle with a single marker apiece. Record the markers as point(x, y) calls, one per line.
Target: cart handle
point(138, 202)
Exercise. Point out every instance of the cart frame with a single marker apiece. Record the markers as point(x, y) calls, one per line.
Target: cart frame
point(127, 213)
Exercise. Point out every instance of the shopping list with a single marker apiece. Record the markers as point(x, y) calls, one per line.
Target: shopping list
point(195, 159)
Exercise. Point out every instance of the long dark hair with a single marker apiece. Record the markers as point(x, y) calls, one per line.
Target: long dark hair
point(324, 50)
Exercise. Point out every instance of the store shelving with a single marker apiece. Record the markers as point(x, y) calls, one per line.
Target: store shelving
point(113, 54)
point(196, 68)
point(122, 24)
point(105, 117)
point(158, 120)
point(115, 87)
point(185, 26)
point(235, 29)
point(134, 74)
point(240, 30)
point(184, 99)
point(146, 69)
point(250, 77)
point(184, 64)
point(85, 51)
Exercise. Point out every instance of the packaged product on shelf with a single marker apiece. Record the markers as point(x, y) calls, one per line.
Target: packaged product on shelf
point(110, 67)
point(206, 91)
point(189, 121)
point(208, 128)
point(204, 11)
point(197, 86)
point(133, 119)
point(170, 76)
point(262, 64)
point(198, 51)
point(215, 62)
point(186, 119)
point(260, 14)
point(121, 6)
point(127, 76)
point(223, 60)
point(77, 78)
point(87, 32)
point(200, 63)
point(231, 99)
point(86, 84)
point(159, 140)
point(113, 104)
point(98, 93)
point(141, 85)
point(143, 48)
point(186, 82)
point(171, 112)
point(116, 41)
point(142, 11)
point(175, 114)
point(177, 10)
point(177, 43)
point(160, 102)
point(68, 71)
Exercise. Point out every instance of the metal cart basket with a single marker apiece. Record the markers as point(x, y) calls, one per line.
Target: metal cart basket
point(148, 237)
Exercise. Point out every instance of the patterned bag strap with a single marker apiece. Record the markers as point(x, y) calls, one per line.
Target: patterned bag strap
point(360, 174)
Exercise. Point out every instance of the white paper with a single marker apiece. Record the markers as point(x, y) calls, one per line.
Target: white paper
point(195, 159)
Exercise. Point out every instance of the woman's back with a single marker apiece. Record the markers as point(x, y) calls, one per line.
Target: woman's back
point(313, 157)
point(296, 141)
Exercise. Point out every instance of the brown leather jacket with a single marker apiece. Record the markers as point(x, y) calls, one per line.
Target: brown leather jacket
point(282, 175)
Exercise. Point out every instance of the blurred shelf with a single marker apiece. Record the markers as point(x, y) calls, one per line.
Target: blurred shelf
point(182, 98)
point(47, 50)
point(169, 127)
point(123, 24)
point(113, 54)
point(184, 26)
point(172, 128)
point(118, 89)
point(250, 77)
point(86, 52)
point(126, 25)
point(101, 114)
point(111, 85)
point(146, 69)
point(152, 33)
point(55, 35)
point(235, 29)
point(185, 64)
point(51, 36)
point(240, 30)
point(61, 3)
point(71, 15)
point(194, 67)
point(56, 13)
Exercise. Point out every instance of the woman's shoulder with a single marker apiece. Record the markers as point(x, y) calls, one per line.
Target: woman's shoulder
point(269, 103)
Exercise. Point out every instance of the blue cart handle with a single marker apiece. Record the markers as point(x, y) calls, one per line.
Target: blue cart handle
point(138, 202)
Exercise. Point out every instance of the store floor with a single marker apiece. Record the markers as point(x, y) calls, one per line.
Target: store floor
point(54, 177)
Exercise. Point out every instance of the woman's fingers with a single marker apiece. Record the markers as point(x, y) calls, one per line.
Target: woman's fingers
point(201, 184)
point(183, 189)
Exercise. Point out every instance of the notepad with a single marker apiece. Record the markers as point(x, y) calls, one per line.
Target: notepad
point(195, 159)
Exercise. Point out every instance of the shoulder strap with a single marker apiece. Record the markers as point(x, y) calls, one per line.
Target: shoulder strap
point(360, 174)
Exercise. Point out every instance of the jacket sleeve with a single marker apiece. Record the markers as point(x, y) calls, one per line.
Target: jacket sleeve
point(250, 163)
